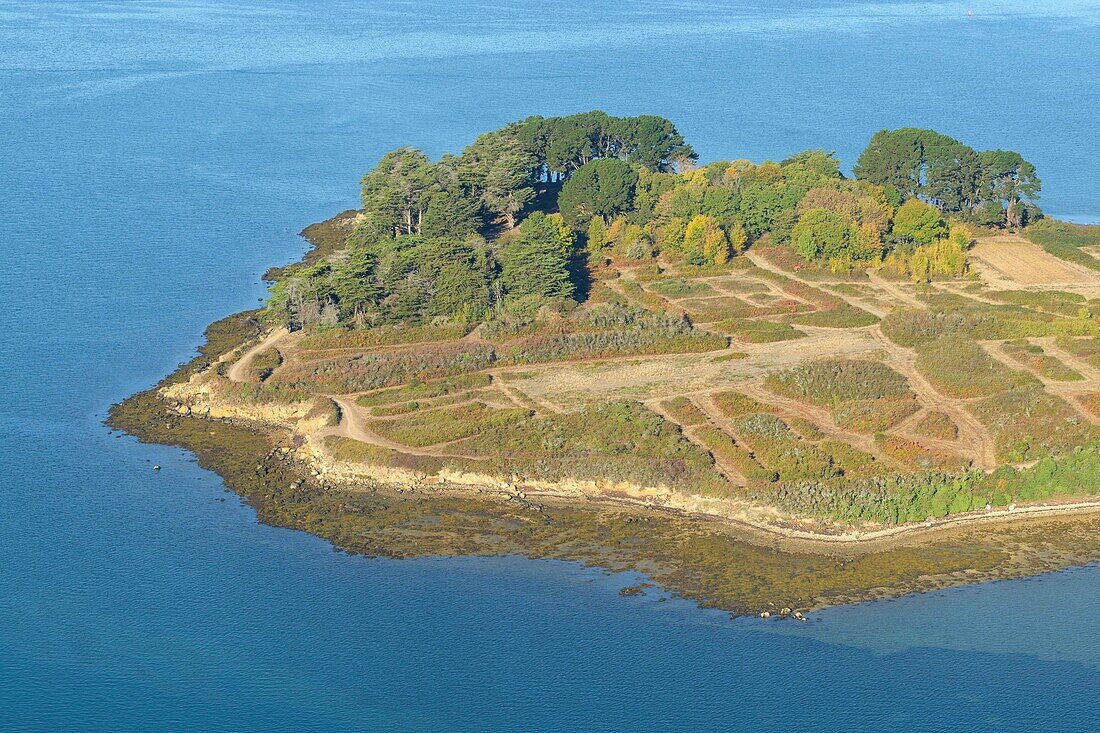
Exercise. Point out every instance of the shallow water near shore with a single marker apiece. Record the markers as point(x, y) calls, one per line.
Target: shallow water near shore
point(156, 158)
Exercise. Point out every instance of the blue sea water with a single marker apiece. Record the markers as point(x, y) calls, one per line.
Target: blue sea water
point(156, 157)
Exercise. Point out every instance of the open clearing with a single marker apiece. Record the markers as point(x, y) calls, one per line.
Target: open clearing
point(1010, 262)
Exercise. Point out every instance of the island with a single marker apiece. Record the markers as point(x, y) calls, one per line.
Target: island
point(768, 387)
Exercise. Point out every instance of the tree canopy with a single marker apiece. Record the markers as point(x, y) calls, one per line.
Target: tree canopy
point(602, 188)
point(468, 237)
point(941, 171)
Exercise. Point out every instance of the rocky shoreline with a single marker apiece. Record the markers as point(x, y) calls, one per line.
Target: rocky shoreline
point(742, 570)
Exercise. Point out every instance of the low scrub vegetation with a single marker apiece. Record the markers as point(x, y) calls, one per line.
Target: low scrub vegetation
point(612, 441)
point(936, 424)
point(1035, 358)
point(684, 411)
point(829, 381)
point(354, 451)
point(445, 425)
point(419, 390)
point(961, 368)
point(1065, 240)
point(264, 364)
point(1027, 424)
point(758, 332)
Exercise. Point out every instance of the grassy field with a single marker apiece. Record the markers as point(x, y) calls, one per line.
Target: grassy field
point(847, 396)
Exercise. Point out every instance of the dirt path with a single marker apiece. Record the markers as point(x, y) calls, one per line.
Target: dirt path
point(689, 432)
point(764, 264)
point(352, 425)
point(238, 372)
point(894, 290)
point(974, 440)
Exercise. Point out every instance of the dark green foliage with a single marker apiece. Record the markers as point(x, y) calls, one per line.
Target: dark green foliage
point(951, 176)
point(451, 212)
point(397, 191)
point(537, 262)
point(602, 188)
point(564, 144)
point(501, 172)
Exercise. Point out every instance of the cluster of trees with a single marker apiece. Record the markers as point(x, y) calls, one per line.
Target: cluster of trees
point(992, 188)
point(706, 215)
point(413, 278)
point(462, 236)
point(502, 171)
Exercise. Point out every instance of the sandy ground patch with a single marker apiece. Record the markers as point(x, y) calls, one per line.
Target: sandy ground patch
point(1011, 262)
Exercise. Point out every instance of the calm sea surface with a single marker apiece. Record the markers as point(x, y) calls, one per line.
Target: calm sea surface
point(156, 157)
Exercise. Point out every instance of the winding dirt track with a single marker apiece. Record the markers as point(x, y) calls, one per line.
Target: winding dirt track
point(352, 425)
point(238, 372)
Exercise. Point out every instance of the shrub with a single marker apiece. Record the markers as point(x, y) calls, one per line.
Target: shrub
point(431, 427)
point(935, 424)
point(680, 288)
point(726, 449)
point(370, 370)
point(613, 441)
point(359, 338)
point(830, 381)
point(758, 332)
point(960, 368)
point(1033, 357)
point(734, 404)
point(264, 364)
point(1028, 423)
point(418, 390)
point(354, 451)
point(915, 455)
point(873, 416)
point(1065, 240)
point(843, 315)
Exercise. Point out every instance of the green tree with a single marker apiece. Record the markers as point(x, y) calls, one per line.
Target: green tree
point(893, 158)
point(536, 263)
point(601, 188)
point(397, 191)
point(654, 143)
point(923, 163)
point(917, 223)
point(1007, 177)
point(824, 233)
point(451, 212)
point(499, 170)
